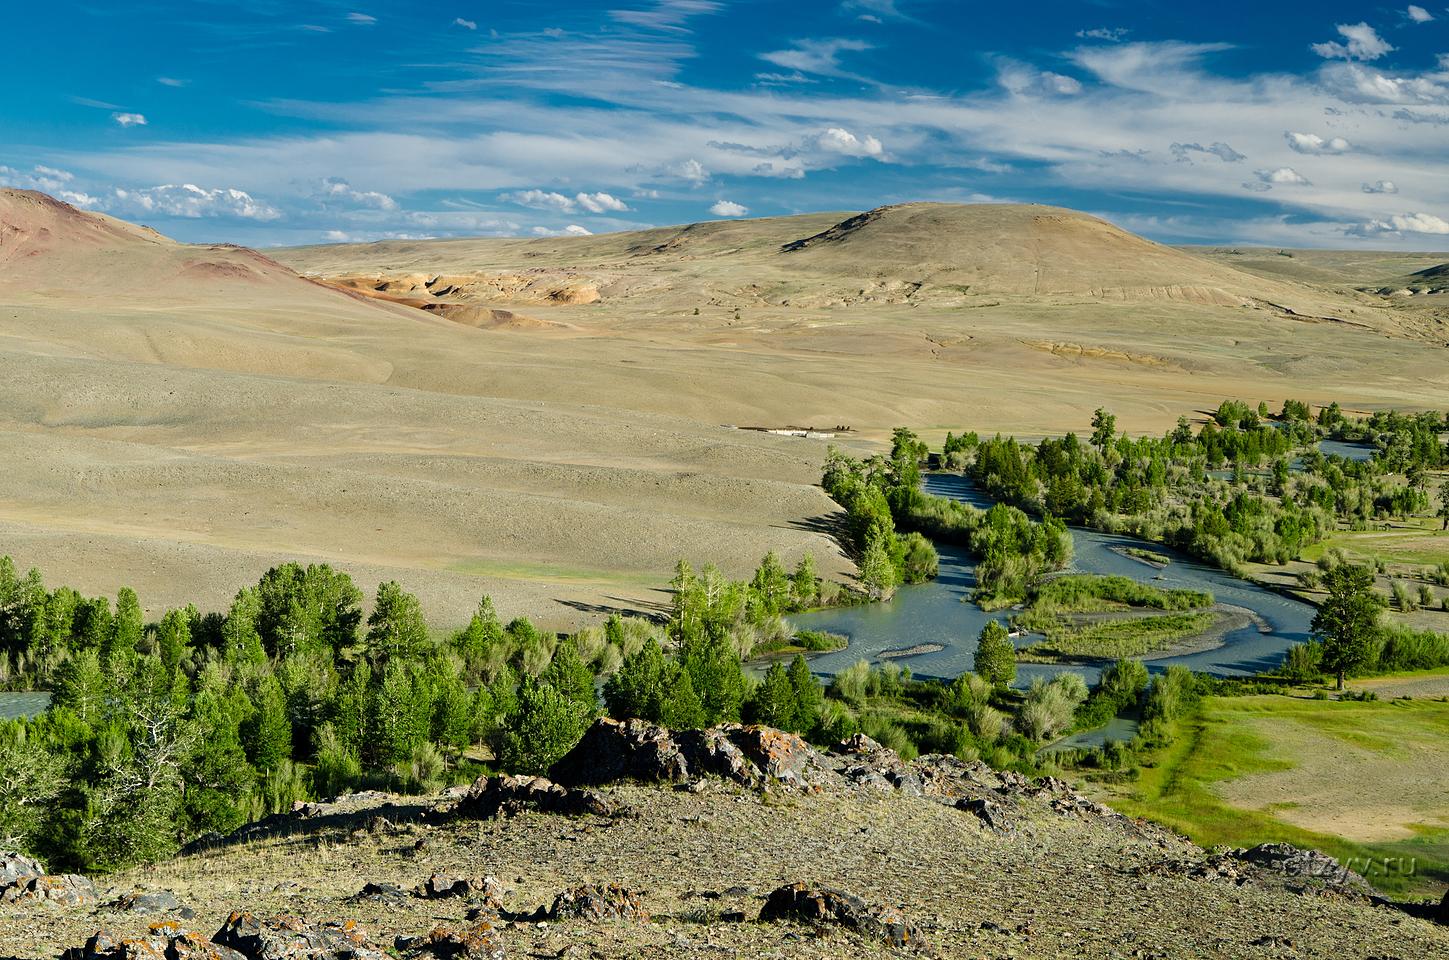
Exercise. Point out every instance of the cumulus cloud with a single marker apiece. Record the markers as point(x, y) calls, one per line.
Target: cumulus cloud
point(1418, 14)
point(1282, 176)
point(190, 201)
point(572, 230)
point(1381, 186)
point(840, 140)
point(1312, 144)
point(465, 24)
point(548, 200)
point(690, 169)
point(57, 183)
point(1109, 34)
point(728, 208)
point(338, 190)
point(129, 119)
point(1364, 43)
point(1425, 223)
point(1182, 152)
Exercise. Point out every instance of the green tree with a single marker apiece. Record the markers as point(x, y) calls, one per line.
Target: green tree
point(995, 656)
point(1104, 429)
point(31, 777)
point(770, 587)
point(1347, 620)
point(173, 638)
point(716, 676)
point(395, 629)
point(572, 678)
point(877, 572)
point(808, 695)
point(481, 642)
point(772, 702)
point(543, 728)
point(804, 584)
point(267, 733)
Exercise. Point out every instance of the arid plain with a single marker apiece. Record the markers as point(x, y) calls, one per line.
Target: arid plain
point(552, 421)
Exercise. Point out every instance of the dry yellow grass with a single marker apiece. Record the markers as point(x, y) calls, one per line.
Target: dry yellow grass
point(179, 418)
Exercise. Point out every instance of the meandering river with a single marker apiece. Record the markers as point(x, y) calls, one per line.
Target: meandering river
point(940, 612)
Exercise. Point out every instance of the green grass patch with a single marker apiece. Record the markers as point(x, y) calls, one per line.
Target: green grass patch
point(803, 641)
point(1088, 593)
point(1147, 556)
point(1116, 639)
point(1228, 739)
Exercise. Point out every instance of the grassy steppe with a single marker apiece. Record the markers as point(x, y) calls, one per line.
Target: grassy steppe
point(1362, 781)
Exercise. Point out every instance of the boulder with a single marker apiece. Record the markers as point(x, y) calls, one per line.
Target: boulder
point(1314, 870)
point(16, 867)
point(752, 756)
point(292, 938)
point(388, 894)
point(479, 941)
point(884, 924)
point(441, 887)
point(509, 796)
point(1442, 915)
point(66, 890)
point(991, 814)
point(163, 941)
point(153, 903)
point(595, 902)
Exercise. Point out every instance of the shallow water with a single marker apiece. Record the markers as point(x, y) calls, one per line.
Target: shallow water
point(941, 611)
point(16, 705)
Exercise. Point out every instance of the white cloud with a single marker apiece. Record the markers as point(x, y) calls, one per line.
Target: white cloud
point(129, 119)
point(840, 140)
point(57, 183)
point(1418, 14)
point(190, 201)
point(1109, 34)
point(690, 169)
point(728, 208)
point(1311, 143)
point(1282, 176)
point(365, 19)
point(1364, 43)
point(1024, 80)
point(600, 203)
point(339, 190)
point(1380, 186)
point(465, 24)
point(574, 230)
point(171, 82)
point(548, 200)
point(1425, 223)
point(820, 57)
point(1220, 150)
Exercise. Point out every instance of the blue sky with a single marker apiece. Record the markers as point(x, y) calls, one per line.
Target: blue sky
point(295, 121)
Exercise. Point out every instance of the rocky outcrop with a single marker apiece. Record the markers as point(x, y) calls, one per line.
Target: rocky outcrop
point(1298, 870)
point(66, 890)
point(595, 902)
point(443, 887)
point(479, 941)
point(292, 938)
point(152, 903)
point(800, 902)
point(751, 756)
point(387, 894)
point(509, 796)
point(16, 868)
point(163, 941)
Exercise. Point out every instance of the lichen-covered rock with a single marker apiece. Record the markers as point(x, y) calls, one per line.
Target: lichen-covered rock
point(479, 941)
point(751, 756)
point(1310, 869)
point(991, 814)
point(163, 941)
point(152, 903)
point(595, 902)
point(66, 890)
point(508, 796)
point(292, 938)
point(441, 887)
point(16, 868)
point(388, 894)
point(798, 901)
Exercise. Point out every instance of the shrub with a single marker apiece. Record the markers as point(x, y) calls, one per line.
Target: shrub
point(1303, 662)
point(889, 734)
point(850, 684)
